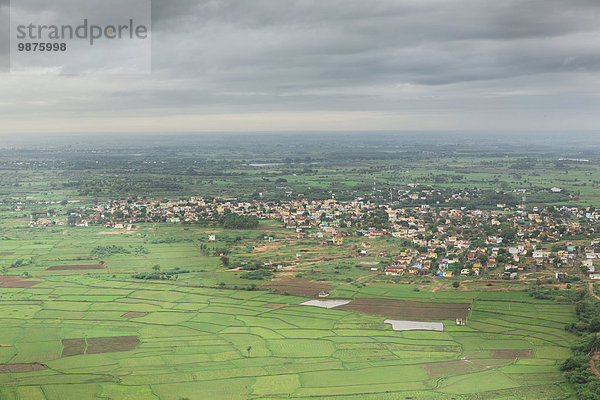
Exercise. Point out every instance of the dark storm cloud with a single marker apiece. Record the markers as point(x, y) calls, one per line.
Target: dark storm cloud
point(287, 44)
point(388, 56)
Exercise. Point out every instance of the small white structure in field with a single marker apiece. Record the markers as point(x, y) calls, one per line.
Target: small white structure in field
point(212, 238)
point(415, 325)
point(326, 303)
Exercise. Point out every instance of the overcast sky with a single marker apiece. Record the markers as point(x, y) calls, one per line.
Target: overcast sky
point(284, 65)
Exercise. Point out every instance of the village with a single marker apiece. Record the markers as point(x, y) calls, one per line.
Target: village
point(445, 242)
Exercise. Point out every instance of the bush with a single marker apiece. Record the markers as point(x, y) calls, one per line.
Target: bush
point(258, 274)
point(104, 251)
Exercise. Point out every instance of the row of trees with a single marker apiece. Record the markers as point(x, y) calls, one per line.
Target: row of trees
point(577, 367)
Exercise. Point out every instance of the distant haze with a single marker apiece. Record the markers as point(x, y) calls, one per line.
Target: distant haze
point(334, 65)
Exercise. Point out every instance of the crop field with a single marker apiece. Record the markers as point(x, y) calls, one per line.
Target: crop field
point(77, 332)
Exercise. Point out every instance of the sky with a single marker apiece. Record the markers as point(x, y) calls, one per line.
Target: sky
point(332, 65)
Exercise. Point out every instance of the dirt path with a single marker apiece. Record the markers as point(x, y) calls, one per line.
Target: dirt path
point(593, 360)
point(591, 287)
point(438, 286)
point(362, 278)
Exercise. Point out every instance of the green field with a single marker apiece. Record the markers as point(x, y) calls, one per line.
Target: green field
point(193, 341)
point(194, 344)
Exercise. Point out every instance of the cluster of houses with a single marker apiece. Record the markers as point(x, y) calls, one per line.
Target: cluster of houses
point(445, 241)
point(479, 260)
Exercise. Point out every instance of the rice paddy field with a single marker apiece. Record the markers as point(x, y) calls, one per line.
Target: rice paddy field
point(74, 324)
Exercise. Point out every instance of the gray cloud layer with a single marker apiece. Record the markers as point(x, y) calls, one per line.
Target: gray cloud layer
point(385, 64)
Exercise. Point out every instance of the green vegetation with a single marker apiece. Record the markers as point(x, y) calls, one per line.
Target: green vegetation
point(210, 307)
point(585, 351)
point(226, 343)
point(105, 251)
point(234, 221)
point(231, 344)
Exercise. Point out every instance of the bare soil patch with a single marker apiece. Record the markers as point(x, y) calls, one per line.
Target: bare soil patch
point(5, 368)
point(111, 344)
point(298, 287)
point(133, 314)
point(511, 353)
point(73, 347)
point(15, 281)
point(78, 346)
point(7, 254)
point(19, 284)
point(7, 278)
point(408, 310)
point(74, 267)
point(438, 369)
point(116, 232)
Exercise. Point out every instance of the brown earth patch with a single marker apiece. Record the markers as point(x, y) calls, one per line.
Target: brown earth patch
point(511, 353)
point(73, 347)
point(115, 232)
point(298, 287)
point(78, 346)
point(133, 314)
point(4, 368)
point(437, 369)
point(407, 309)
point(74, 267)
point(15, 281)
point(6, 254)
point(7, 278)
point(111, 344)
point(19, 284)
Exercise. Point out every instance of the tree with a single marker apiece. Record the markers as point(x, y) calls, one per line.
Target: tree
point(249, 349)
point(156, 268)
point(225, 261)
point(455, 284)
